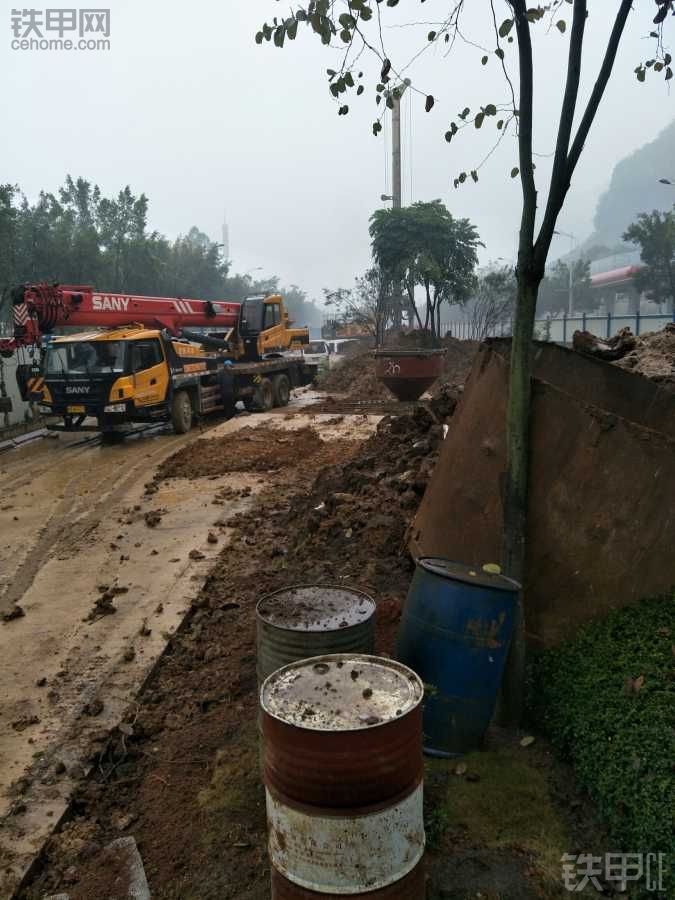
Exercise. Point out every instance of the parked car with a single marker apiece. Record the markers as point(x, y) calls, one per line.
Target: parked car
point(341, 348)
point(318, 353)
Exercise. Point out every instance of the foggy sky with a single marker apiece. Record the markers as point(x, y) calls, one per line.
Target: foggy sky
point(186, 107)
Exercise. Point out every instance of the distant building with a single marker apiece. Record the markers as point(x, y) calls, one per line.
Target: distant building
point(613, 278)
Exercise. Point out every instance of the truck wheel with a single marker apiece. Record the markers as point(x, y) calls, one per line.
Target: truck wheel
point(264, 395)
point(262, 399)
point(282, 390)
point(181, 412)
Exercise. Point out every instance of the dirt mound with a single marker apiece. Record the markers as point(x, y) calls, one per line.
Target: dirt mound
point(653, 356)
point(353, 522)
point(356, 377)
point(262, 449)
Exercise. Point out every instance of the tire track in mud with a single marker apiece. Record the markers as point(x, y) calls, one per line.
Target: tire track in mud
point(69, 519)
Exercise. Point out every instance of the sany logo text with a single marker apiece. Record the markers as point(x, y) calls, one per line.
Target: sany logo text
point(111, 304)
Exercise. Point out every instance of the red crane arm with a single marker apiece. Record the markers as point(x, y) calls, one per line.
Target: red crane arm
point(39, 308)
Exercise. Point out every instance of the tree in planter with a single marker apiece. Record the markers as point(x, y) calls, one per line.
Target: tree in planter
point(655, 234)
point(357, 24)
point(424, 245)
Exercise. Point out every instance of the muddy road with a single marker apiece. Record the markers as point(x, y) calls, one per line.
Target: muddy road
point(102, 551)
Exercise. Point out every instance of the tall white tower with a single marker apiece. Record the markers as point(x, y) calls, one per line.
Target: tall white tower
point(226, 238)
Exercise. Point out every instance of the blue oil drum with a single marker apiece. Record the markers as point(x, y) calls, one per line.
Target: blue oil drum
point(455, 632)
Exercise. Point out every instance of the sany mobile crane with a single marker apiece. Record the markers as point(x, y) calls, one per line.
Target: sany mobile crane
point(146, 364)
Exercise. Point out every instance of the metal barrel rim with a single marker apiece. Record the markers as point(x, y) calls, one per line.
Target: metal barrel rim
point(413, 678)
point(262, 617)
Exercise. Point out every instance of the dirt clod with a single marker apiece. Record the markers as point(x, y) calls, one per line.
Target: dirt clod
point(17, 612)
point(103, 606)
point(93, 708)
point(153, 518)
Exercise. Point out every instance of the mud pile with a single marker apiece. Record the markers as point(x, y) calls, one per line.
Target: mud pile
point(352, 524)
point(356, 377)
point(653, 356)
point(261, 449)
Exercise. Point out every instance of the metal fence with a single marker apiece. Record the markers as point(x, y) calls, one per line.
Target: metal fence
point(561, 329)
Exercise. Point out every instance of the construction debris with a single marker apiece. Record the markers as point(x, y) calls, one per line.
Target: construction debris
point(651, 355)
point(610, 350)
point(355, 377)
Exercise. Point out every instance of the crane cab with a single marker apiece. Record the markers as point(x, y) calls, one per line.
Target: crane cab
point(264, 329)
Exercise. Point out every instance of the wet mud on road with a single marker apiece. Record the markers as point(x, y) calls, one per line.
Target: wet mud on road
point(103, 557)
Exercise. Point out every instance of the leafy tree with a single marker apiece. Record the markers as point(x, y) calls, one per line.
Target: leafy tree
point(554, 291)
point(8, 223)
point(493, 302)
point(301, 309)
point(78, 236)
point(423, 245)
point(367, 305)
point(655, 234)
point(357, 24)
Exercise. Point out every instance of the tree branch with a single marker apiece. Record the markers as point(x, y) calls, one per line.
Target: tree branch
point(600, 84)
point(560, 176)
point(525, 131)
point(546, 234)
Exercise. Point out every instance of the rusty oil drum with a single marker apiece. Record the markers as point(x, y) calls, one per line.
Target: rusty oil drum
point(408, 373)
point(343, 777)
point(310, 620)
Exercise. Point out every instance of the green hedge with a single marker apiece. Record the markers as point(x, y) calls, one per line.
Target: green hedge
point(607, 700)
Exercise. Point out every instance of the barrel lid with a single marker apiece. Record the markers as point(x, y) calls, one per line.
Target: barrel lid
point(341, 692)
point(316, 607)
point(476, 575)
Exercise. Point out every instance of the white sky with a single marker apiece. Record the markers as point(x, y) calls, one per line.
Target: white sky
point(187, 108)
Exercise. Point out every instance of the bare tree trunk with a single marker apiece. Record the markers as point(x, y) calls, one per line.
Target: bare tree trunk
point(413, 308)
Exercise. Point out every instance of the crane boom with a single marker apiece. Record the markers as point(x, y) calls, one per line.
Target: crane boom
point(38, 309)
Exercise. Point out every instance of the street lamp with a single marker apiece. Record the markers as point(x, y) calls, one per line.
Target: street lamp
point(570, 289)
point(666, 181)
point(385, 197)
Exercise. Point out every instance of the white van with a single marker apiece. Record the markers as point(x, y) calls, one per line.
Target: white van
point(341, 348)
point(318, 353)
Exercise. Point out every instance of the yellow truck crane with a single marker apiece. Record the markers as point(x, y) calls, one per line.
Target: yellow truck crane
point(148, 362)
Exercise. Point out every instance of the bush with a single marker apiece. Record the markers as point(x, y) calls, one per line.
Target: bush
point(607, 700)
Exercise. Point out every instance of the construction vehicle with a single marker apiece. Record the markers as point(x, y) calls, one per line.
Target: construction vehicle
point(147, 363)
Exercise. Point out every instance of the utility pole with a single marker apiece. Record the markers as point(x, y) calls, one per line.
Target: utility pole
point(396, 179)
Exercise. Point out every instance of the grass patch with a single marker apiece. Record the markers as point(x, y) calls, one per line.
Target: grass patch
point(607, 700)
point(508, 807)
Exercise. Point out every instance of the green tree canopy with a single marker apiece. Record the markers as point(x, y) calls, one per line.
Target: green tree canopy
point(424, 245)
point(78, 236)
point(654, 233)
point(554, 291)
